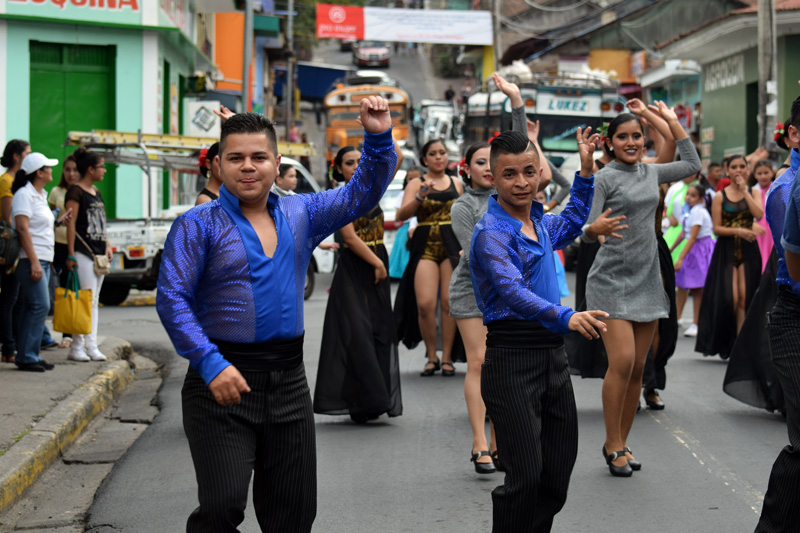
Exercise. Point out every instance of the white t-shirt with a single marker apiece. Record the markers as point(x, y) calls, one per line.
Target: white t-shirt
point(698, 216)
point(28, 202)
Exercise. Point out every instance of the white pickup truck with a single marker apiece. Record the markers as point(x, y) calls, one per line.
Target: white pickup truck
point(137, 245)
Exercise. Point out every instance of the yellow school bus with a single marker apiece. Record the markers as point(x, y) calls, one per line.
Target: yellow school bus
point(342, 107)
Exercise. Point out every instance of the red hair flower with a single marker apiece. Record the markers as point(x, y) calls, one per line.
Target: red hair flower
point(462, 168)
point(493, 137)
point(780, 131)
point(203, 158)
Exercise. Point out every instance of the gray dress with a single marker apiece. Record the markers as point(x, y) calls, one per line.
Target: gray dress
point(624, 279)
point(465, 213)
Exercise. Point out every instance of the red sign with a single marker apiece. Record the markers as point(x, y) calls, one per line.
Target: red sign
point(340, 22)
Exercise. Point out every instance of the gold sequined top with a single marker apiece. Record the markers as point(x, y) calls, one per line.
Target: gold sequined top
point(435, 210)
point(736, 215)
point(369, 228)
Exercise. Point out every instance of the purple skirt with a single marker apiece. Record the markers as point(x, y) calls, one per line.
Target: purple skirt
point(692, 274)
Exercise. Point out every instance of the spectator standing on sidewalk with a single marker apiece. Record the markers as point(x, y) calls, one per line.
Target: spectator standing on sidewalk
point(13, 154)
point(34, 222)
point(86, 237)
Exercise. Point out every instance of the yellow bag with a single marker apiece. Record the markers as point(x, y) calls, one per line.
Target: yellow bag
point(73, 308)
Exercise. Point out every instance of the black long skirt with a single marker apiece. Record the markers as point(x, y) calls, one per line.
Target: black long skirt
point(359, 371)
point(716, 328)
point(751, 376)
point(588, 357)
point(406, 314)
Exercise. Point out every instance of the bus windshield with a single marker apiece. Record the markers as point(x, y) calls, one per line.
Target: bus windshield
point(557, 133)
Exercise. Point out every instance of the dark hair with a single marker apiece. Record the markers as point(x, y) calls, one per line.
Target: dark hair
point(284, 168)
point(21, 179)
point(781, 137)
point(618, 121)
point(703, 192)
point(425, 148)
point(63, 183)
point(409, 171)
point(713, 165)
point(249, 123)
point(211, 153)
point(734, 157)
point(751, 180)
point(13, 147)
point(726, 160)
point(337, 162)
point(470, 153)
point(86, 159)
point(794, 120)
point(510, 142)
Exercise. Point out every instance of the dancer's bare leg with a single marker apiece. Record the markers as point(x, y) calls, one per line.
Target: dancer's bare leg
point(426, 287)
point(619, 342)
point(448, 322)
point(473, 333)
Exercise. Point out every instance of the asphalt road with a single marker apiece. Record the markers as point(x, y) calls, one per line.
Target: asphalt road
point(706, 457)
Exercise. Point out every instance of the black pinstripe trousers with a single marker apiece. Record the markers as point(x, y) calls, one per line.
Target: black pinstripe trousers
point(271, 434)
point(528, 395)
point(781, 510)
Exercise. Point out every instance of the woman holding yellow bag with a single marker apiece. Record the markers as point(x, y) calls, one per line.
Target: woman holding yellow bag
point(86, 238)
point(34, 221)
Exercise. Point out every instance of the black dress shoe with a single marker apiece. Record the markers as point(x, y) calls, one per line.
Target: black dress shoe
point(635, 465)
point(30, 367)
point(431, 367)
point(654, 404)
point(47, 366)
point(617, 471)
point(448, 372)
point(483, 468)
point(497, 464)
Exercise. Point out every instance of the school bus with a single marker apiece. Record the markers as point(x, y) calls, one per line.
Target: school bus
point(342, 107)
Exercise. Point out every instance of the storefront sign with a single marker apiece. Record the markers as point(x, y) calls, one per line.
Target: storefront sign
point(404, 25)
point(111, 5)
point(725, 73)
point(578, 106)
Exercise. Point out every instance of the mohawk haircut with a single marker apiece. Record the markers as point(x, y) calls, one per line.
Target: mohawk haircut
point(249, 123)
point(511, 142)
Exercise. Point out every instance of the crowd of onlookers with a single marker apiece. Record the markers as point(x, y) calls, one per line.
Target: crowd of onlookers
point(58, 236)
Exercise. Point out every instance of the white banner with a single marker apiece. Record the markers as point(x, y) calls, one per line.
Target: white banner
point(443, 26)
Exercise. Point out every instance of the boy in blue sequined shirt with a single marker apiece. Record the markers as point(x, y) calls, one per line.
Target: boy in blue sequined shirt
point(524, 379)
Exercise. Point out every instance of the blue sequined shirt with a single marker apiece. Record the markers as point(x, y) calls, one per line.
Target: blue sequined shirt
point(514, 277)
point(216, 282)
point(778, 199)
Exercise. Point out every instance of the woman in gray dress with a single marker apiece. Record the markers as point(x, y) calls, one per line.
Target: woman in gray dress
point(624, 279)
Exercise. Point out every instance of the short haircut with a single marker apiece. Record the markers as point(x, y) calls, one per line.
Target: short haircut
point(510, 142)
point(796, 113)
point(714, 165)
point(249, 123)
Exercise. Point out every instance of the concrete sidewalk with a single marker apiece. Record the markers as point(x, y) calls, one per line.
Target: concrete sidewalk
point(42, 414)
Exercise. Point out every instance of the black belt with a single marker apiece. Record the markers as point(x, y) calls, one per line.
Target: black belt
point(521, 334)
point(267, 356)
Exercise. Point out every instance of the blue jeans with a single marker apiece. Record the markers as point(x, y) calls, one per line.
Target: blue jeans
point(36, 304)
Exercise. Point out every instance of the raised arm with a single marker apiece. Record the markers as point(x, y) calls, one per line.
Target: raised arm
point(563, 186)
point(182, 266)
point(330, 210)
point(463, 224)
point(690, 161)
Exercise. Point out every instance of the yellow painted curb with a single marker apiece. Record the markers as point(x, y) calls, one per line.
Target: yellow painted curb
point(25, 461)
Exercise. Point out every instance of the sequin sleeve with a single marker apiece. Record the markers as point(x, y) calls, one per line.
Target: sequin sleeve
point(499, 276)
point(564, 228)
point(329, 211)
point(183, 262)
point(790, 239)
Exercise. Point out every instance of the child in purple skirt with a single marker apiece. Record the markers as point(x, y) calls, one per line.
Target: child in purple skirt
point(692, 264)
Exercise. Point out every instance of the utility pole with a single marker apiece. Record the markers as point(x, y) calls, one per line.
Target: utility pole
point(248, 54)
point(288, 96)
point(767, 71)
point(496, 32)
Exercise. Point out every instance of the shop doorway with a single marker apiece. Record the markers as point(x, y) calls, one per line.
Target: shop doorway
point(73, 88)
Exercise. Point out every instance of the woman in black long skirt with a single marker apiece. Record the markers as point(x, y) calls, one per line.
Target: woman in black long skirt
point(359, 372)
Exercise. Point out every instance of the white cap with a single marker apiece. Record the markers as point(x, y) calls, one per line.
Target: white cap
point(36, 160)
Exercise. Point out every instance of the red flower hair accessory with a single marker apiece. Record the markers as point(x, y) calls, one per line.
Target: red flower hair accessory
point(493, 137)
point(203, 158)
point(780, 131)
point(462, 169)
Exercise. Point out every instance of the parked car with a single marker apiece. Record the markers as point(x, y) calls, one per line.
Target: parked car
point(371, 54)
point(389, 204)
point(345, 45)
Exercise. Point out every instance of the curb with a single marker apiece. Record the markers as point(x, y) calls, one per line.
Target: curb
point(26, 460)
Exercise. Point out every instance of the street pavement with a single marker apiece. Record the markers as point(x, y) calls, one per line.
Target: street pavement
point(706, 457)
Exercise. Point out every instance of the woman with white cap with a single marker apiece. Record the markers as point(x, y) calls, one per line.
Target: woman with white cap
point(34, 222)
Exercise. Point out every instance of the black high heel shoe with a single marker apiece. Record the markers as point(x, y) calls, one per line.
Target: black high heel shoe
point(655, 404)
point(635, 465)
point(482, 468)
point(448, 372)
point(497, 464)
point(431, 367)
point(617, 471)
